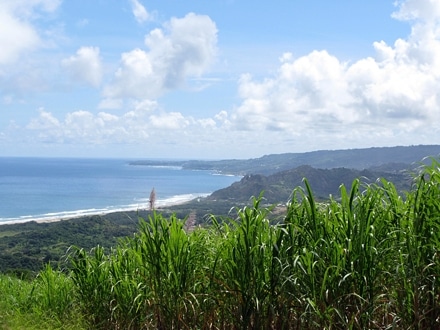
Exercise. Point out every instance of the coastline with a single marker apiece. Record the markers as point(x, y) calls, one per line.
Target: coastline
point(49, 218)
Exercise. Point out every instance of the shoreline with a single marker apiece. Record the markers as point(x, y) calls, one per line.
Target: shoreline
point(175, 200)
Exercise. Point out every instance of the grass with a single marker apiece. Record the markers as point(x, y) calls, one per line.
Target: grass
point(44, 303)
point(367, 261)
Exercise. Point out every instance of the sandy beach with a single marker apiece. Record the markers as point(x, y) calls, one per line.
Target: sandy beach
point(160, 204)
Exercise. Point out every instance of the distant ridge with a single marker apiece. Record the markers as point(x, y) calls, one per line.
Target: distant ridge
point(361, 158)
point(324, 159)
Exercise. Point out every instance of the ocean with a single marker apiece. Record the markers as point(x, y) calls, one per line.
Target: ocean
point(48, 188)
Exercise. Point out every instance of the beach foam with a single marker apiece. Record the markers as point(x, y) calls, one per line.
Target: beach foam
point(67, 215)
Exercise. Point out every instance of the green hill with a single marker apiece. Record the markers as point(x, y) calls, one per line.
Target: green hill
point(278, 187)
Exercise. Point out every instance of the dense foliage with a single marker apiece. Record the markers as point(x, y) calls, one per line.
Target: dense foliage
point(367, 261)
point(26, 247)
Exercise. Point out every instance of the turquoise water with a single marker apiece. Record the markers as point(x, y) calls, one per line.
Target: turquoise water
point(39, 188)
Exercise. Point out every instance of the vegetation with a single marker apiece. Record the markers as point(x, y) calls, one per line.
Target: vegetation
point(324, 159)
point(44, 303)
point(369, 260)
point(26, 247)
point(278, 187)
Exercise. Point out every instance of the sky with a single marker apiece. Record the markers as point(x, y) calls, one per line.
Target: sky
point(217, 79)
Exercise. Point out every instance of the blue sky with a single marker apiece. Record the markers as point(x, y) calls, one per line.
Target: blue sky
point(216, 79)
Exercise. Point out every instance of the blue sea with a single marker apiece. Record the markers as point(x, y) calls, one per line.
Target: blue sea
point(49, 188)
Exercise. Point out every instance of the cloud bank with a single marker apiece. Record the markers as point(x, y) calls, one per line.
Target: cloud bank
point(313, 101)
point(391, 97)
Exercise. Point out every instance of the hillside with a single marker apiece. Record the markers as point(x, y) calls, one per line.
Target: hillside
point(278, 187)
point(324, 159)
point(25, 247)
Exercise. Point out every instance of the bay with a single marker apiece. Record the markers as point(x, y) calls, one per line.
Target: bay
point(47, 188)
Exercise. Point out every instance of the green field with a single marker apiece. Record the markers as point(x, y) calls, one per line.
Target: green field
point(370, 260)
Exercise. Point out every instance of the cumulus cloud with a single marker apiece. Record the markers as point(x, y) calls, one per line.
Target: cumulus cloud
point(15, 37)
point(305, 89)
point(19, 33)
point(427, 11)
point(45, 121)
point(78, 127)
point(391, 94)
point(145, 126)
point(169, 121)
point(183, 48)
point(85, 66)
point(143, 122)
point(139, 11)
point(313, 101)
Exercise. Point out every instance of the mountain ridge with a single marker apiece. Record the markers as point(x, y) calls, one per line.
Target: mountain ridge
point(362, 158)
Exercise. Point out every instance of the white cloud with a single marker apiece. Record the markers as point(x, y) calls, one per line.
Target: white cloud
point(145, 127)
point(85, 66)
point(110, 103)
point(45, 121)
point(144, 106)
point(134, 126)
point(168, 121)
point(304, 92)
point(18, 33)
point(139, 11)
point(426, 10)
point(392, 95)
point(184, 48)
point(314, 101)
point(15, 37)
